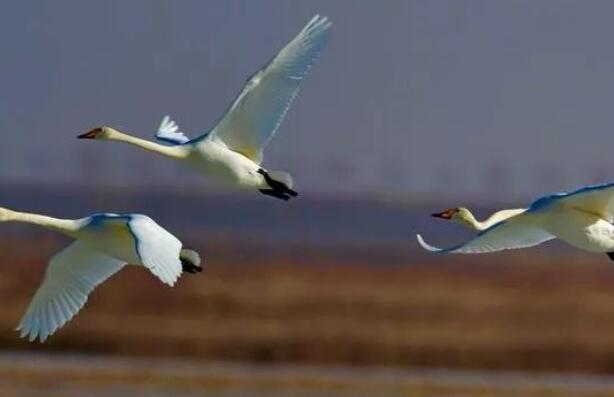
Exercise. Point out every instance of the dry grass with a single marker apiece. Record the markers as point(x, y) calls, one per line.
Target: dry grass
point(85, 376)
point(531, 316)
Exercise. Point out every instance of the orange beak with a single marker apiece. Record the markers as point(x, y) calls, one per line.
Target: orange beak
point(447, 214)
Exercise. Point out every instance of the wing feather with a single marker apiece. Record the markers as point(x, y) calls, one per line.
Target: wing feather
point(516, 232)
point(158, 249)
point(253, 118)
point(169, 132)
point(72, 274)
point(596, 199)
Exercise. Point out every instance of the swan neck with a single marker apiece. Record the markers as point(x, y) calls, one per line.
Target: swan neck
point(65, 226)
point(474, 223)
point(168, 151)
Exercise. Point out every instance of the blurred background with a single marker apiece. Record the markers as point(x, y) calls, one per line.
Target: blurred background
point(416, 106)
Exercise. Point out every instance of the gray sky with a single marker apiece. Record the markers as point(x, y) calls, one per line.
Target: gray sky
point(459, 98)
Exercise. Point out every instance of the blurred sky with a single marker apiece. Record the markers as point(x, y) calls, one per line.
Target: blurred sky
point(454, 98)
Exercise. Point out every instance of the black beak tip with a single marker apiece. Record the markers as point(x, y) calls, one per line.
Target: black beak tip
point(91, 134)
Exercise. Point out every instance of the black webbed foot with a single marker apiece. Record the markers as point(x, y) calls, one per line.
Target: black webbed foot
point(277, 189)
point(276, 194)
point(190, 267)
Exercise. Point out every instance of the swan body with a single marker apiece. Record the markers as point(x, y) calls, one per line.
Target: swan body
point(583, 219)
point(104, 244)
point(224, 166)
point(231, 153)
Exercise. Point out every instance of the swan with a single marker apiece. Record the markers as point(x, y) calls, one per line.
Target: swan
point(104, 244)
point(582, 218)
point(463, 216)
point(232, 152)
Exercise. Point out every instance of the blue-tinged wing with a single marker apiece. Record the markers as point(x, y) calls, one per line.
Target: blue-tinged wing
point(71, 275)
point(252, 120)
point(169, 132)
point(595, 199)
point(516, 232)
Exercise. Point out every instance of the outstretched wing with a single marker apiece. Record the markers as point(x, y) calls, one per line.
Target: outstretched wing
point(251, 121)
point(595, 199)
point(158, 250)
point(169, 132)
point(502, 215)
point(72, 274)
point(517, 232)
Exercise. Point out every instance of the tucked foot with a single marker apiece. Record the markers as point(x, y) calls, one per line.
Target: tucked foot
point(189, 267)
point(278, 189)
point(276, 194)
point(190, 261)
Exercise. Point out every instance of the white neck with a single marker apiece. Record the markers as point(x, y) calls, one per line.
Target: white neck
point(493, 219)
point(177, 152)
point(473, 223)
point(65, 226)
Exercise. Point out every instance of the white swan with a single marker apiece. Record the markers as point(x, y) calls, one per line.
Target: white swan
point(104, 244)
point(231, 153)
point(464, 217)
point(582, 218)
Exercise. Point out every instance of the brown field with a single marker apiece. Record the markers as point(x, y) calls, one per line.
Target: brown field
point(34, 375)
point(474, 312)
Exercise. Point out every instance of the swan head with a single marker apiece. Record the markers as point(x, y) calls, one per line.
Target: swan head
point(459, 215)
point(97, 133)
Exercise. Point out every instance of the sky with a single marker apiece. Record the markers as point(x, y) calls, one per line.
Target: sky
point(455, 98)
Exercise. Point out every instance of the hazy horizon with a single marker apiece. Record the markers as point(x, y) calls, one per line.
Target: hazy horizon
point(473, 98)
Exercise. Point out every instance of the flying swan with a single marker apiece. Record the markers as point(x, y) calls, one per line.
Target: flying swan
point(104, 244)
point(582, 218)
point(232, 152)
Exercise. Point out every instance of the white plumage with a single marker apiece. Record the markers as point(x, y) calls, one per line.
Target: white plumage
point(71, 275)
point(582, 218)
point(104, 244)
point(252, 120)
point(232, 152)
point(168, 131)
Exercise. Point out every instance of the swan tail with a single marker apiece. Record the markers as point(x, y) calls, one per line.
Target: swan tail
point(282, 177)
point(190, 261)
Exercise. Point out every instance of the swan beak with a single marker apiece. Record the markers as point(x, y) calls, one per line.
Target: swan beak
point(447, 214)
point(91, 134)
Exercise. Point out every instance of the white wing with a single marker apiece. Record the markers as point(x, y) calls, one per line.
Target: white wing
point(169, 132)
point(72, 274)
point(158, 249)
point(597, 199)
point(517, 232)
point(255, 115)
point(502, 215)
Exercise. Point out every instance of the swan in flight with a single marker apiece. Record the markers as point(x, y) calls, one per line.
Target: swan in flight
point(104, 244)
point(582, 218)
point(232, 152)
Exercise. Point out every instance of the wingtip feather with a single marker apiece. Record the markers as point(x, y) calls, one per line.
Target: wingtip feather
point(316, 24)
point(426, 245)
